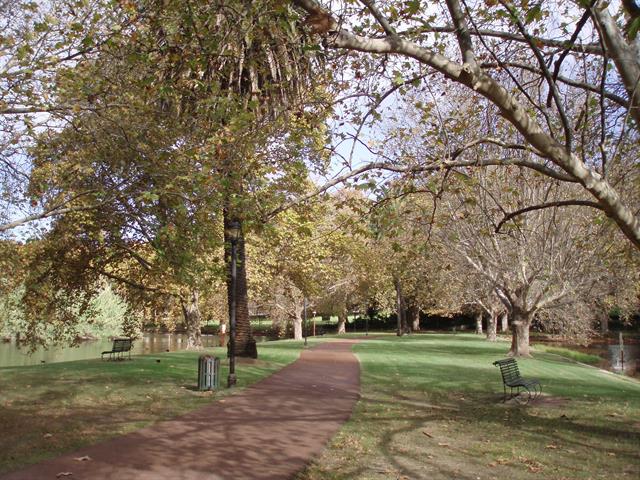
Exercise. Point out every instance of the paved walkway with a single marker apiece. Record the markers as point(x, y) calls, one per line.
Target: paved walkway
point(271, 430)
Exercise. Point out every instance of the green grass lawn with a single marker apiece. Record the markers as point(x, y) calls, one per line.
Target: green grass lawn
point(49, 409)
point(582, 357)
point(431, 409)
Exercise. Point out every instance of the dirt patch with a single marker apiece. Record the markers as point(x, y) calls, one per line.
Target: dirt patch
point(550, 401)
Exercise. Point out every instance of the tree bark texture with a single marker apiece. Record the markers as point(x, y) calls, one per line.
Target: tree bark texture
point(342, 321)
point(492, 327)
point(479, 323)
point(520, 334)
point(504, 322)
point(297, 323)
point(244, 339)
point(192, 321)
point(413, 316)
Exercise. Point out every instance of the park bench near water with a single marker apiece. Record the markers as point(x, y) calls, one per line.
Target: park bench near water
point(120, 347)
point(527, 389)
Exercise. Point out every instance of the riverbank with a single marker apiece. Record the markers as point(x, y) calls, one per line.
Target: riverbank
point(16, 355)
point(50, 409)
point(602, 351)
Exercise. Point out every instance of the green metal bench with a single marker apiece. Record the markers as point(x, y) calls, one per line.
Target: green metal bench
point(120, 347)
point(527, 389)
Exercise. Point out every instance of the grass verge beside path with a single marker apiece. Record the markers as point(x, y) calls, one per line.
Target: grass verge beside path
point(431, 408)
point(50, 409)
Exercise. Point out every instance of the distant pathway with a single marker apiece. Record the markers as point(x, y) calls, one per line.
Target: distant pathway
point(271, 430)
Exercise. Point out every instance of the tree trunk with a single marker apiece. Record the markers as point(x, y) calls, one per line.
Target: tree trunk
point(492, 326)
point(504, 322)
point(192, 321)
point(297, 323)
point(520, 331)
point(245, 344)
point(413, 314)
point(223, 330)
point(342, 321)
point(479, 323)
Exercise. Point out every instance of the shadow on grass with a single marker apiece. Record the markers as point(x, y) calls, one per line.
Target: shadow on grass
point(431, 405)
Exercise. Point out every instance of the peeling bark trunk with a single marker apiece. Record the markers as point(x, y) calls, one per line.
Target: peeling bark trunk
point(342, 322)
point(504, 322)
point(520, 331)
point(192, 321)
point(297, 324)
point(492, 327)
point(479, 323)
point(413, 314)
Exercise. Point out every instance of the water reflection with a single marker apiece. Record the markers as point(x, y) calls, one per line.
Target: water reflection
point(628, 362)
point(12, 356)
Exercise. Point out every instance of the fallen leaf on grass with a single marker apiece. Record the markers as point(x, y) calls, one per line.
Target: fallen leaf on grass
point(443, 444)
point(427, 434)
point(82, 459)
point(611, 454)
point(64, 474)
point(47, 435)
point(532, 465)
point(551, 447)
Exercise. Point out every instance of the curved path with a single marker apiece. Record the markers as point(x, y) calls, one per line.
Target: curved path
point(268, 431)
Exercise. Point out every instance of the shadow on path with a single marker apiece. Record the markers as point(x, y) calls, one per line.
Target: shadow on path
point(271, 430)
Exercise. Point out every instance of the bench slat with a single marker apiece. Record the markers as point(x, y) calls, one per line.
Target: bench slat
point(120, 345)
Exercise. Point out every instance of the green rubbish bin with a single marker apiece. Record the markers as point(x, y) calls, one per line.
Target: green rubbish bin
point(208, 372)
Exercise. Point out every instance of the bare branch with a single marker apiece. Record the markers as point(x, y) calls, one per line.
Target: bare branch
point(590, 48)
point(51, 212)
point(558, 63)
point(378, 103)
point(568, 81)
point(553, 89)
point(384, 23)
point(562, 203)
point(461, 31)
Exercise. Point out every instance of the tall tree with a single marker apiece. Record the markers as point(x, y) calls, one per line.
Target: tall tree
point(203, 116)
point(545, 260)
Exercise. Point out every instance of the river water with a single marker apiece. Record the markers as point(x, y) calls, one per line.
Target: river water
point(12, 355)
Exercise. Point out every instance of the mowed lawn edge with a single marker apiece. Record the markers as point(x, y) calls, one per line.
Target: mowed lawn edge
point(431, 408)
point(51, 409)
